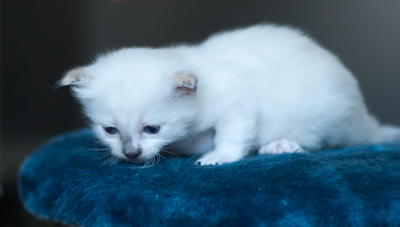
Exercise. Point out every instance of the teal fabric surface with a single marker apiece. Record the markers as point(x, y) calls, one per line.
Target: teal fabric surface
point(68, 180)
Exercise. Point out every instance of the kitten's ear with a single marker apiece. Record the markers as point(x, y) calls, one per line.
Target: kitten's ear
point(185, 82)
point(76, 77)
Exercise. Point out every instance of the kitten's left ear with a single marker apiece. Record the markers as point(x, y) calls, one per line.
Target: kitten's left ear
point(185, 82)
point(78, 77)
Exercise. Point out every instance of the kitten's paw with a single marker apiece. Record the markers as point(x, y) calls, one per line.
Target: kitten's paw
point(214, 158)
point(280, 146)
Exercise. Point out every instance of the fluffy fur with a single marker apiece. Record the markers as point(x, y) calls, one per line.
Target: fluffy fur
point(66, 181)
point(266, 88)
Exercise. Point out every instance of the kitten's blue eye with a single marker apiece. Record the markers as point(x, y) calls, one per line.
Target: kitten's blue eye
point(152, 129)
point(111, 130)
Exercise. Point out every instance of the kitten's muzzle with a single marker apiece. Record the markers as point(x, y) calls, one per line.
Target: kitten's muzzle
point(131, 152)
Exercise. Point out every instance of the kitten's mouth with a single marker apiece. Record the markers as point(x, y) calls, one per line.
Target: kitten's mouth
point(137, 160)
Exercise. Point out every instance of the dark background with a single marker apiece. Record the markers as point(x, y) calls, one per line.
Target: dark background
point(42, 39)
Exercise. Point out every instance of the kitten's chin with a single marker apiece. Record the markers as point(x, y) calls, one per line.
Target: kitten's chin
point(140, 159)
point(124, 158)
point(134, 161)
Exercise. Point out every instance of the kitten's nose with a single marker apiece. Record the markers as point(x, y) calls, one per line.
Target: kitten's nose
point(130, 151)
point(133, 154)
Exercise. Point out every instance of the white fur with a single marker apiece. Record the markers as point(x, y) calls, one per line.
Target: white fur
point(266, 86)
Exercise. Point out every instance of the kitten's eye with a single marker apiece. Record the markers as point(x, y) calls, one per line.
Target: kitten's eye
point(111, 130)
point(152, 129)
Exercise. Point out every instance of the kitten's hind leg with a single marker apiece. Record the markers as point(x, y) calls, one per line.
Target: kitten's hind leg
point(280, 146)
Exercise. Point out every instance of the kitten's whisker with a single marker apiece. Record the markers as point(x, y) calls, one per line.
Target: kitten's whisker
point(116, 160)
point(104, 155)
point(106, 162)
point(158, 158)
point(94, 153)
point(149, 162)
point(154, 161)
point(146, 163)
point(169, 152)
point(174, 146)
point(179, 159)
point(110, 160)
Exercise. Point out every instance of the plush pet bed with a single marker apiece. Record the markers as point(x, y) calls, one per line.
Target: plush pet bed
point(69, 180)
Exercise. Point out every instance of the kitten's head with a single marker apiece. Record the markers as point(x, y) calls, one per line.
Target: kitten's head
point(138, 99)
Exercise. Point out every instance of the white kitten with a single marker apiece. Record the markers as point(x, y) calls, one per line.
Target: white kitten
point(266, 87)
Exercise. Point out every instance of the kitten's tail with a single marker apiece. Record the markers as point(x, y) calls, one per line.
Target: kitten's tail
point(388, 134)
point(366, 129)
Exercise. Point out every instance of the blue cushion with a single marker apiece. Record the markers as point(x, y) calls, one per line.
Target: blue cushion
point(69, 180)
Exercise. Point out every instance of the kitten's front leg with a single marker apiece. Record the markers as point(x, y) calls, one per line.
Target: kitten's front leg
point(233, 138)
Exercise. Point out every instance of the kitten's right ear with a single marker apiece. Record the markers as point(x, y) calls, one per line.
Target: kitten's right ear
point(185, 83)
point(76, 77)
